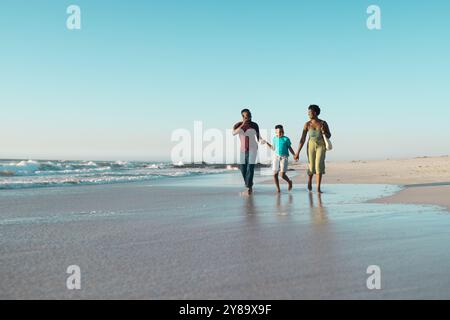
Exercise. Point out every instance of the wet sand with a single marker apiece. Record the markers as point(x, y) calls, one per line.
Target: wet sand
point(199, 239)
point(421, 194)
point(425, 180)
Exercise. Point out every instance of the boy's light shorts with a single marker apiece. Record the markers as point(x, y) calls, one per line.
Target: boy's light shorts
point(280, 164)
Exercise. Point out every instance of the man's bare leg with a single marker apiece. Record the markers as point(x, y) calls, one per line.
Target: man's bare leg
point(289, 181)
point(247, 192)
point(277, 182)
point(319, 182)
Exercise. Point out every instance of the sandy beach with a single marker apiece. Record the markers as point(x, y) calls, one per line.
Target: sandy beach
point(139, 142)
point(197, 238)
point(426, 180)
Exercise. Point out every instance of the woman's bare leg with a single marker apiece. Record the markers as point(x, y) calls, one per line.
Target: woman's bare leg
point(310, 182)
point(319, 182)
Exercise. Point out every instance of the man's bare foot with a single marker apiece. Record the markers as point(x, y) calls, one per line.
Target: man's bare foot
point(309, 186)
point(250, 191)
point(290, 185)
point(319, 191)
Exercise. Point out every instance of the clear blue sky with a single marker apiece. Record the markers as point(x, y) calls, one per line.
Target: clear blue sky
point(139, 69)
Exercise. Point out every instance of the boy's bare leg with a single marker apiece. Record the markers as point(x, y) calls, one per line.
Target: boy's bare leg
point(310, 182)
point(286, 178)
point(319, 182)
point(277, 182)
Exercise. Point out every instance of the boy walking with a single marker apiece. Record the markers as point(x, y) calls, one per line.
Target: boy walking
point(282, 146)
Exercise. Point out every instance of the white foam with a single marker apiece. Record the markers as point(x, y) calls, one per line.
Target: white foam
point(23, 167)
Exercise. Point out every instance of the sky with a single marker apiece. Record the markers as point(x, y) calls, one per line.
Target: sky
point(138, 70)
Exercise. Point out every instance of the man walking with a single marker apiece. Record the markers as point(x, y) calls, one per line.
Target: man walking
point(249, 137)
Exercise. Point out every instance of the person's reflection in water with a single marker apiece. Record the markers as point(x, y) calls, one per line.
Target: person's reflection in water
point(284, 209)
point(249, 206)
point(318, 213)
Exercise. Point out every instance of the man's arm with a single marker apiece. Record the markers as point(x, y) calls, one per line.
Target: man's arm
point(257, 132)
point(237, 127)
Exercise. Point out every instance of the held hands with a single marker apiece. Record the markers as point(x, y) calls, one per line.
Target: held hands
point(296, 157)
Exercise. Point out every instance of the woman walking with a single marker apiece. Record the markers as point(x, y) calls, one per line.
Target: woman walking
point(315, 128)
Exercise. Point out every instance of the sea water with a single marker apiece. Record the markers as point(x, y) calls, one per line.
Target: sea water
point(18, 174)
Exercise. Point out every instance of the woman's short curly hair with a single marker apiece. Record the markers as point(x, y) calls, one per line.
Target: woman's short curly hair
point(314, 108)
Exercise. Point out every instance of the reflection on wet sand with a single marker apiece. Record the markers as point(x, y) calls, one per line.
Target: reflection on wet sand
point(284, 208)
point(318, 213)
point(249, 205)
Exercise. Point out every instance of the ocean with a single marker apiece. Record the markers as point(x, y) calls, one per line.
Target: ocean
point(19, 174)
